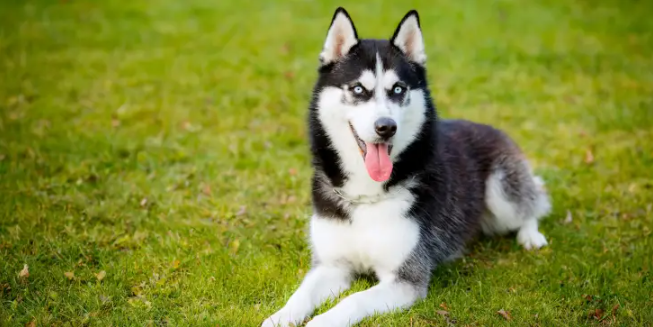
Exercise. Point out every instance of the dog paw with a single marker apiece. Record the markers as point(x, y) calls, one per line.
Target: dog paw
point(321, 321)
point(282, 318)
point(531, 239)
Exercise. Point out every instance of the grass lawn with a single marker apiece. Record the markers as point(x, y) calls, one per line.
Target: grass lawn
point(154, 164)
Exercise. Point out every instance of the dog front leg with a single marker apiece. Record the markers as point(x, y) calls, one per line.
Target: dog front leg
point(321, 283)
point(384, 297)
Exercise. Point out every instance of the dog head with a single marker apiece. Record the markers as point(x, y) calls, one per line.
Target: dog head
point(371, 96)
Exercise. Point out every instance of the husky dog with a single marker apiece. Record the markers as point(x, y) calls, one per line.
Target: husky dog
point(395, 190)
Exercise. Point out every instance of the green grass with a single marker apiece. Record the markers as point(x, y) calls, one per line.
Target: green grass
point(164, 143)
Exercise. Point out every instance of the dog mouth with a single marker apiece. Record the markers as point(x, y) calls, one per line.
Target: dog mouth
point(362, 147)
point(376, 156)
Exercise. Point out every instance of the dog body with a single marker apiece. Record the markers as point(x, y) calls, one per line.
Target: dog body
point(396, 191)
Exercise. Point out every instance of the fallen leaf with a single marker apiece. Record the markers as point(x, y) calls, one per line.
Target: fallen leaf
point(100, 276)
point(69, 274)
point(242, 211)
point(442, 312)
point(285, 48)
point(568, 218)
point(589, 157)
point(31, 324)
point(206, 189)
point(505, 314)
point(587, 297)
point(614, 310)
point(190, 127)
point(24, 273)
point(443, 305)
point(175, 264)
point(596, 314)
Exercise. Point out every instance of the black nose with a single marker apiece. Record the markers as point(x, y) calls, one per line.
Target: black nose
point(385, 127)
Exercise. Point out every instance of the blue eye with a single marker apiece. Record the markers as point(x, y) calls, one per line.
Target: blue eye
point(398, 90)
point(358, 89)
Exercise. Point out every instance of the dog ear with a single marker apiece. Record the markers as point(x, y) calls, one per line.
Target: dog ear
point(340, 38)
point(408, 38)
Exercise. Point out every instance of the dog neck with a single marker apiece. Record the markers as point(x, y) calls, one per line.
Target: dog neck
point(361, 198)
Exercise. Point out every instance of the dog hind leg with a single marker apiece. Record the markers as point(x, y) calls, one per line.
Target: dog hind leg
point(516, 201)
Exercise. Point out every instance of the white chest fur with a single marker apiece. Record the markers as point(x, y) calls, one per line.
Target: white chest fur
point(378, 237)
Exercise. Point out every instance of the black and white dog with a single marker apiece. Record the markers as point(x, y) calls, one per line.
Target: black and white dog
point(396, 191)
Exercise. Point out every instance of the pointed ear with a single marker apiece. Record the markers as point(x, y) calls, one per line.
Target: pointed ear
point(340, 38)
point(408, 38)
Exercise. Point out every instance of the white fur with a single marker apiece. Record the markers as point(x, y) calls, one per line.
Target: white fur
point(379, 88)
point(378, 239)
point(384, 297)
point(340, 38)
point(529, 237)
point(389, 79)
point(320, 284)
point(409, 39)
point(505, 216)
point(368, 80)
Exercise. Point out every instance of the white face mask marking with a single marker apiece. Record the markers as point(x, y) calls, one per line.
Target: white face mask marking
point(368, 80)
point(379, 91)
point(336, 116)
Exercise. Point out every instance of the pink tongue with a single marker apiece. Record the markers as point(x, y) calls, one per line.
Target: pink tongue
point(377, 161)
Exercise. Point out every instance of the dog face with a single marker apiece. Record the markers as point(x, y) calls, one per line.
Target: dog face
point(371, 97)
